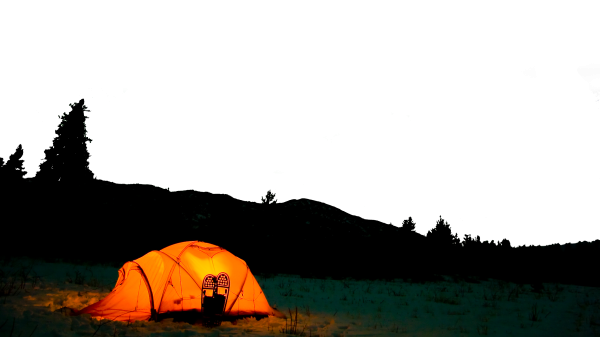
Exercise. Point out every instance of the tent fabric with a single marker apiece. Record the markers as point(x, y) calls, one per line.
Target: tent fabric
point(186, 276)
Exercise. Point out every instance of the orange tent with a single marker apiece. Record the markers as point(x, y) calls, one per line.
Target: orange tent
point(187, 276)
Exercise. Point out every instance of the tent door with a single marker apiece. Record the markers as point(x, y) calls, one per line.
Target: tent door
point(215, 291)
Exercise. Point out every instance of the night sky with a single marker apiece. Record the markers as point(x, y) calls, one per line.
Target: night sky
point(507, 149)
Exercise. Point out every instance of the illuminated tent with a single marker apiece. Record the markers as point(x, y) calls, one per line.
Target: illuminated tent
point(184, 277)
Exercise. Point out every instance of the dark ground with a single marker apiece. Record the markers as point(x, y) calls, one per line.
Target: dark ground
point(104, 222)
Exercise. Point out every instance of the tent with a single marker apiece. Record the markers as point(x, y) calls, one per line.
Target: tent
point(190, 276)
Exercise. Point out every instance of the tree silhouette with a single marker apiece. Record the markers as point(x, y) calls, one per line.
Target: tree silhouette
point(269, 197)
point(408, 225)
point(13, 171)
point(442, 234)
point(59, 142)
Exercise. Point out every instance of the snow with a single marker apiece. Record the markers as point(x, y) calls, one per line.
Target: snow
point(324, 307)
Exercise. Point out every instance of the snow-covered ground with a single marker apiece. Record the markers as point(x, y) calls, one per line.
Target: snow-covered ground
point(324, 307)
